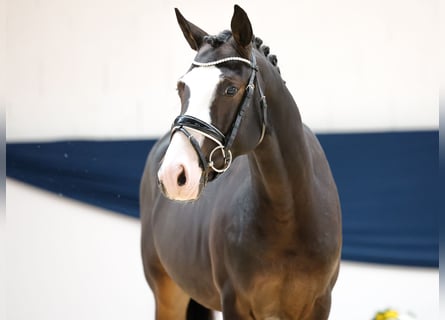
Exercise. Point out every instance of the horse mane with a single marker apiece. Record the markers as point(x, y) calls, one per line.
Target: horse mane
point(217, 40)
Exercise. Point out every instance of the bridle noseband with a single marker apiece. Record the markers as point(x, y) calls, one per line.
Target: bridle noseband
point(184, 123)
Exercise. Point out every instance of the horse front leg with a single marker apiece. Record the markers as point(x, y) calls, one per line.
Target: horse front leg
point(171, 301)
point(322, 308)
point(233, 308)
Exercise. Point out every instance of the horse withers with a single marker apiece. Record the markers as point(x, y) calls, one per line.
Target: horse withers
point(239, 209)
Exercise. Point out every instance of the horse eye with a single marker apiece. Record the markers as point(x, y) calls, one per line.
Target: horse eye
point(231, 91)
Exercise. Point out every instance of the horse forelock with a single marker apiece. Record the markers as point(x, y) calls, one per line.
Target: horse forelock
point(217, 40)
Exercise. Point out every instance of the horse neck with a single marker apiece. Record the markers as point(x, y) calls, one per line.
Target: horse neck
point(280, 165)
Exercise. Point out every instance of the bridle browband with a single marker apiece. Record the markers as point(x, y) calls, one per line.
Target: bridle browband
point(184, 123)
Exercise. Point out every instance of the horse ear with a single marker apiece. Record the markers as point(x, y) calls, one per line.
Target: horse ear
point(192, 33)
point(241, 27)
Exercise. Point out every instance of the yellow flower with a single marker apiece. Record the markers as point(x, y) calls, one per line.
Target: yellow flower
point(387, 315)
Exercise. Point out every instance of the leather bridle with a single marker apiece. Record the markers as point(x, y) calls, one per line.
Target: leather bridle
point(186, 123)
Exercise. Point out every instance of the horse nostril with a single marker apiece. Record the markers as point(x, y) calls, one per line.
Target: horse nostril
point(181, 178)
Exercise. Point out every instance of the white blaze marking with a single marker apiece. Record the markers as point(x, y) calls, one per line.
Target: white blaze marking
point(202, 83)
point(180, 155)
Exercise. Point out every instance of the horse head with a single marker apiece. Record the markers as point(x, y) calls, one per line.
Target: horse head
point(223, 109)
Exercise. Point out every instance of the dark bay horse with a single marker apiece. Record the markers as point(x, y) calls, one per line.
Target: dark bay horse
point(239, 209)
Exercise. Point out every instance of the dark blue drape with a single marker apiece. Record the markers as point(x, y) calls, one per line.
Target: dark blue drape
point(388, 184)
point(389, 191)
point(102, 173)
